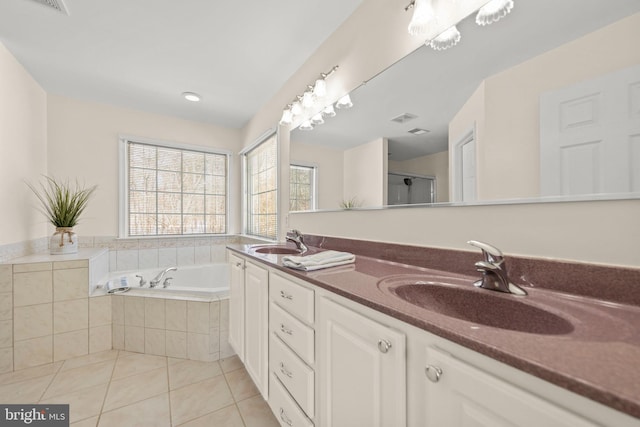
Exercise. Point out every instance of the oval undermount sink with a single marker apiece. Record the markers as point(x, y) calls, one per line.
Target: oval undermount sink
point(462, 301)
point(277, 250)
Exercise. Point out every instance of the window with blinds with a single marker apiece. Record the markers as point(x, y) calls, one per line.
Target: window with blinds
point(174, 191)
point(262, 189)
point(302, 181)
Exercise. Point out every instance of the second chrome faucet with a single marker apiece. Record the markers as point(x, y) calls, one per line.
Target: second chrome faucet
point(494, 270)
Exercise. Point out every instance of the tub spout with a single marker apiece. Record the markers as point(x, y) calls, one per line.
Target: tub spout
point(156, 280)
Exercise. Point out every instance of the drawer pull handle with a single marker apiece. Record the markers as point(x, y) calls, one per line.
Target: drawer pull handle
point(285, 330)
point(285, 295)
point(284, 418)
point(433, 373)
point(384, 346)
point(285, 371)
point(238, 264)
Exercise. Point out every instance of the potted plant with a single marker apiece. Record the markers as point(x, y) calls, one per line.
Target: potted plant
point(62, 203)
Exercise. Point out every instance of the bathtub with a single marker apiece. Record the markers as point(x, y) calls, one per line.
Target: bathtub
point(204, 282)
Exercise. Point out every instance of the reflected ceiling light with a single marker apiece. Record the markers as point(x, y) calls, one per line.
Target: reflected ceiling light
point(317, 119)
point(287, 117)
point(423, 15)
point(344, 102)
point(493, 11)
point(329, 111)
point(306, 125)
point(191, 96)
point(448, 38)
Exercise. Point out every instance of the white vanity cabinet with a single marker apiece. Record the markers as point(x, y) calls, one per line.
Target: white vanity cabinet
point(236, 304)
point(459, 394)
point(256, 318)
point(362, 369)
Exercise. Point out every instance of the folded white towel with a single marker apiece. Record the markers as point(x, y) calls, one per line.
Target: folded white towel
point(317, 261)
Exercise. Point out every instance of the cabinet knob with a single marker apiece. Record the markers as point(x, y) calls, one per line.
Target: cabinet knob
point(285, 419)
point(433, 373)
point(384, 346)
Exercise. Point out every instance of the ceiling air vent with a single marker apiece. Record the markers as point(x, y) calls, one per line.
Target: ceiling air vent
point(403, 118)
point(54, 4)
point(418, 131)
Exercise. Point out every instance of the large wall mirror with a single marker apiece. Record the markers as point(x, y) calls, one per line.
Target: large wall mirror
point(544, 104)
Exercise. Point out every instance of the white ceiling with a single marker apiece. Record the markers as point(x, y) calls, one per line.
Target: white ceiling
point(434, 85)
point(143, 54)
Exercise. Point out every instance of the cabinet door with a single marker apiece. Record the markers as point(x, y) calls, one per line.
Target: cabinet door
point(256, 329)
point(236, 305)
point(361, 370)
point(464, 395)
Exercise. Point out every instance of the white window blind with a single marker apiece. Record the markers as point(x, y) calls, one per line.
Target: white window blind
point(302, 188)
point(262, 189)
point(174, 191)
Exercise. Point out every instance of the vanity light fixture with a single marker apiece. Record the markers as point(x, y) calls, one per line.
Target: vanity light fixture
point(448, 38)
point(306, 125)
point(317, 119)
point(308, 100)
point(423, 15)
point(191, 96)
point(493, 11)
point(287, 116)
point(344, 102)
point(329, 111)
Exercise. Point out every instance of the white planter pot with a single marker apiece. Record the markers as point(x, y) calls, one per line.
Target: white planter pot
point(64, 241)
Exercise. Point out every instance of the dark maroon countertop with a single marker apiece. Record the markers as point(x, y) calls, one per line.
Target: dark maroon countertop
point(597, 356)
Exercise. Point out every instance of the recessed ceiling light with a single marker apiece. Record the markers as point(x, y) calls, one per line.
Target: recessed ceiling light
point(191, 96)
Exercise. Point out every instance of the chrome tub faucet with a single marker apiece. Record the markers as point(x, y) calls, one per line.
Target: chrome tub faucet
point(296, 237)
point(494, 270)
point(156, 280)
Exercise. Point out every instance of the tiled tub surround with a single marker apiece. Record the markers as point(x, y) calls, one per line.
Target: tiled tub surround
point(598, 360)
point(193, 328)
point(46, 314)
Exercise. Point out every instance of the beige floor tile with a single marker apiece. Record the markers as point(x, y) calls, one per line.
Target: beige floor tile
point(136, 363)
point(256, 413)
point(89, 422)
point(89, 359)
point(83, 403)
point(191, 371)
point(80, 378)
point(232, 363)
point(135, 388)
point(151, 412)
point(30, 373)
point(225, 417)
point(29, 391)
point(241, 384)
point(196, 400)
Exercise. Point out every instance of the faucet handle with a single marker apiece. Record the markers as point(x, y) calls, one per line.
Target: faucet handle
point(490, 253)
point(142, 281)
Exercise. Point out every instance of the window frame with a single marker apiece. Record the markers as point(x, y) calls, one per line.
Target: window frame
point(123, 184)
point(314, 184)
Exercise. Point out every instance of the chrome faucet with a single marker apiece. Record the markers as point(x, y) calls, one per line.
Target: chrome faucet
point(154, 282)
point(296, 237)
point(494, 270)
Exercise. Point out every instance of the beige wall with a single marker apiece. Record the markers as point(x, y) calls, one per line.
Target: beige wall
point(23, 150)
point(506, 112)
point(365, 173)
point(329, 164)
point(83, 142)
point(432, 165)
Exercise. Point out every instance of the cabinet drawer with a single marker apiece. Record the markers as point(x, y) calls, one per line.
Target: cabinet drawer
point(294, 298)
point(293, 332)
point(293, 373)
point(284, 407)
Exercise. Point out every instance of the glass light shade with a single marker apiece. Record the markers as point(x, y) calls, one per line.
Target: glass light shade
point(287, 117)
point(307, 99)
point(320, 88)
point(493, 11)
point(317, 119)
point(296, 108)
point(329, 111)
point(306, 125)
point(423, 15)
point(344, 102)
point(448, 38)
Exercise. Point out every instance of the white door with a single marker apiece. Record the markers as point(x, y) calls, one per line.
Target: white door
point(463, 174)
point(256, 330)
point(361, 369)
point(463, 395)
point(236, 305)
point(590, 136)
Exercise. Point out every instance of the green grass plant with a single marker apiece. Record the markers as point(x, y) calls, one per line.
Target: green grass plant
point(61, 202)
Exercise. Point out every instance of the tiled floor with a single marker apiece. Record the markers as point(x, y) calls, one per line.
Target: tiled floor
point(123, 389)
